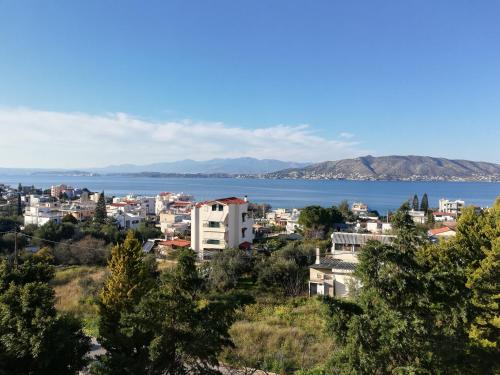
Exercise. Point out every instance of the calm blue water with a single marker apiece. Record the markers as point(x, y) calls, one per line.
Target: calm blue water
point(379, 195)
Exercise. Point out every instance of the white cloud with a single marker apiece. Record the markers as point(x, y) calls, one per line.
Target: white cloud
point(346, 135)
point(34, 138)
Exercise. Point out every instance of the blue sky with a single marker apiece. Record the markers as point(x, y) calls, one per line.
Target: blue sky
point(307, 80)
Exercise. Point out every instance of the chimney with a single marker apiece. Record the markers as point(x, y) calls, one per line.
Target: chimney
point(318, 260)
point(245, 198)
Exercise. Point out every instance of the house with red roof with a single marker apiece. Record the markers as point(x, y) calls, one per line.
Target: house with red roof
point(443, 232)
point(221, 224)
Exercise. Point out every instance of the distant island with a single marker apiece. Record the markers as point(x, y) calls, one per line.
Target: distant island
point(394, 168)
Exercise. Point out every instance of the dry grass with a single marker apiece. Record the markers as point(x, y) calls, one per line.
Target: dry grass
point(75, 288)
point(280, 336)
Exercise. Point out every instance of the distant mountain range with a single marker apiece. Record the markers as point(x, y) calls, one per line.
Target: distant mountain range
point(236, 166)
point(188, 166)
point(405, 168)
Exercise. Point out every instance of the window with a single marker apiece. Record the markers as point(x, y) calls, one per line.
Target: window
point(243, 217)
point(213, 224)
point(214, 207)
point(221, 207)
point(213, 242)
point(243, 231)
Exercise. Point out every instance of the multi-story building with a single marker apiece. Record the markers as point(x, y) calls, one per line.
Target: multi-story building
point(128, 215)
point(220, 224)
point(451, 207)
point(41, 210)
point(82, 210)
point(57, 190)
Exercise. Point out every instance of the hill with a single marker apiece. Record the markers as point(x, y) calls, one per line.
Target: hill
point(404, 168)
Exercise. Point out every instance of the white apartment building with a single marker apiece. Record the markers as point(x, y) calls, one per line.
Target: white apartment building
point(451, 207)
point(41, 210)
point(165, 200)
point(220, 224)
point(127, 215)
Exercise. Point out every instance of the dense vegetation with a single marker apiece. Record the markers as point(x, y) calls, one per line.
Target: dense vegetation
point(423, 308)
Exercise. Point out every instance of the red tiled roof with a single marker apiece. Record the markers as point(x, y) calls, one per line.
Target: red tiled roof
point(433, 232)
point(163, 193)
point(231, 200)
point(120, 204)
point(176, 243)
point(181, 203)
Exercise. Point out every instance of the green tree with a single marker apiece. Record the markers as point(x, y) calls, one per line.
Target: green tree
point(68, 218)
point(345, 211)
point(287, 269)
point(226, 267)
point(424, 204)
point(316, 221)
point(100, 214)
point(484, 283)
point(34, 339)
point(414, 204)
point(129, 280)
point(185, 328)
point(52, 232)
point(374, 335)
point(19, 205)
point(147, 231)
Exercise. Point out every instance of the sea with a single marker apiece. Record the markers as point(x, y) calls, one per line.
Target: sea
point(379, 195)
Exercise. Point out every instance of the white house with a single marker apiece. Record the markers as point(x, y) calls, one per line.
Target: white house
point(220, 224)
point(419, 217)
point(453, 207)
point(444, 216)
point(41, 210)
point(127, 214)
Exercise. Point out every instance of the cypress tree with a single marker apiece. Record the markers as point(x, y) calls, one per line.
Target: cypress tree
point(100, 210)
point(19, 206)
point(414, 205)
point(424, 204)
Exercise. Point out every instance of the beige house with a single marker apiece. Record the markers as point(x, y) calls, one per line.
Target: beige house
point(220, 224)
point(443, 232)
point(332, 276)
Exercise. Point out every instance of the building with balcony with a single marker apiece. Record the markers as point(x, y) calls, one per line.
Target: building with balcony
point(41, 210)
point(451, 207)
point(220, 224)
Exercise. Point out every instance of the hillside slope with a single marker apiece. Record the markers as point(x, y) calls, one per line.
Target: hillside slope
point(412, 168)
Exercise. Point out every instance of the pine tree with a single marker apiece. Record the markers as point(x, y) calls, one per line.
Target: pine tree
point(100, 214)
point(414, 205)
point(424, 204)
point(187, 328)
point(129, 280)
point(34, 339)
